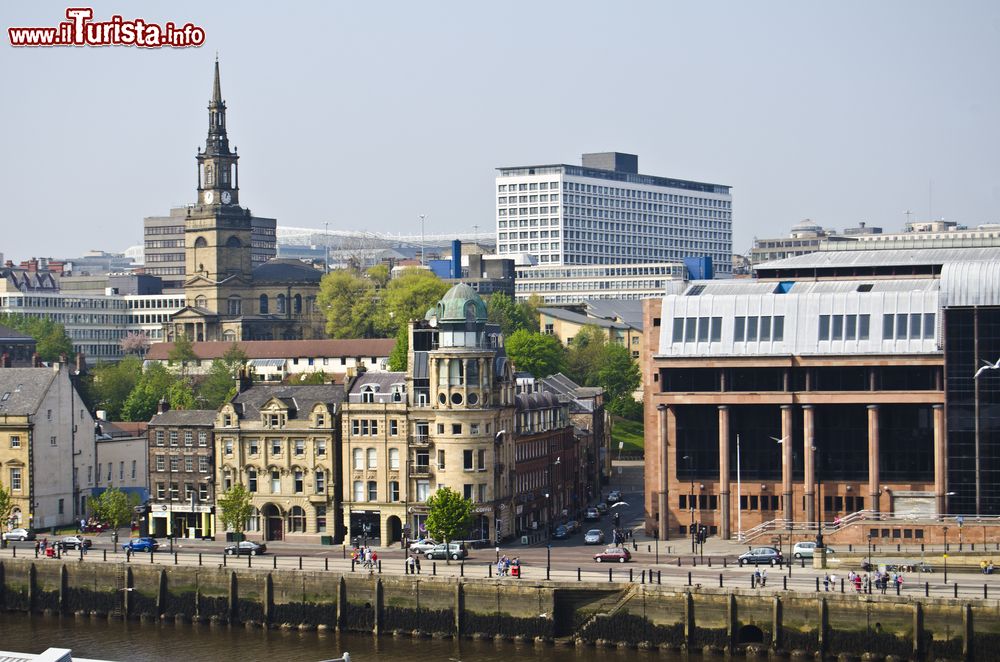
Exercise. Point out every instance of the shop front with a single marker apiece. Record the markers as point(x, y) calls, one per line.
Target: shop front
point(181, 521)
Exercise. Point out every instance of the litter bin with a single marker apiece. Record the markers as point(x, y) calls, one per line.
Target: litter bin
point(326, 540)
point(515, 571)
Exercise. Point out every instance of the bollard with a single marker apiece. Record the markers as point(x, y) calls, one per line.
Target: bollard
point(36, 552)
point(725, 562)
point(15, 550)
point(151, 554)
point(648, 548)
point(659, 576)
point(817, 584)
point(489, 570)
point(548, 569)
point(610, 570)
point(753, 581)
point(579, 578)
point(694, 561)
point(955, 585)
point(353, 561)
point(802, 561)
point(630, 578)
point(249, 561)
point(850, 548)
point(300, 563)
point(689, 578)
point(434, 568)
point(380, 567)
point(642, 578)
point(274, 561)
point(175, 558)
point(199, 558)
point(105, 555)
point(223, 560)
point(986, 594)
point(921, 547)
point(343, 550)
point(678, 561)
point(709, 561)
point(326, 563)
point(841, 584)
point(784, 583)
point(927, 589)
point(720, 580)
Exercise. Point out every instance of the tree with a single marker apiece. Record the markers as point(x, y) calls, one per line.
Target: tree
point(539, 354)
point(180, 394)
point(511, 316)
point(348, 301)
point(617, 373)
point(153, 384)
point(6, 508)
point(379, 275)
point(236, 509)
point(135, 343)
point(450, 515)
point(182, 353)
point(398, 355)
point(407, 297)
point(221, 383)
point(51, 341)
point(109, 385)
point(584, 356)
point(310, 378)
point(112, 506)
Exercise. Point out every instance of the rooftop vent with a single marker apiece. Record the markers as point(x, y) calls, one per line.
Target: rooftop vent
point(865, 287)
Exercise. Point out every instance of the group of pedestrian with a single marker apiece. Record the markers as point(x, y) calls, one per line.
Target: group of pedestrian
point(621, 536)
point(413, 564)
point(507, 566)
point(366, 556)
point(759, 578)
point(987, 567)
point(881, 580)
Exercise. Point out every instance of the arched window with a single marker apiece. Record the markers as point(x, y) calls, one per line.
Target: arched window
point(297, 520)
point(229, 336)
point(372, 458)
point(201, 301)
point(280, 304)
point(359, 459)
point(297, 304)
point(235, 305)
point(233, 242)
point(263, 304)
point(359, 491)
point(394, 458)
point(200, 242)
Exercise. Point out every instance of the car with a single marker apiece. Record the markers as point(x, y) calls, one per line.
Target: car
point(602, 508)
point(423, 545)
point(246, 548)
point(758, 555)
point(19, 534)
point(619, 554)
point(141, 545)
point(614, 496)
point(804, 550)
point(75, 542)
point(573, 526)
point(594, 537)
point(592, 515)
point(455, 551)
point(561, 533)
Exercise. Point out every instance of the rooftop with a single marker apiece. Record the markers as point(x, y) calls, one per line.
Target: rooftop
point(280, 349)
point(299, 398)
point(577, 318)
point(23, 389)
point(881, 258)
point(185, 417)
point(8, 334)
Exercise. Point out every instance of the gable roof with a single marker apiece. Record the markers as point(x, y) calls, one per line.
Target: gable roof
point(384, 381)
point(283, 349)
point(8, 334)
point(301, 399)
point(628, 311)
point(22, 390)
point(185, 417)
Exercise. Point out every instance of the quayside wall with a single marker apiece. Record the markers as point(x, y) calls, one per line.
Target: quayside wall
point(640, 615)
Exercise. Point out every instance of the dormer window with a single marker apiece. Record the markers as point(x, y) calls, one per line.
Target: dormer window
point(273, 419)
point(320, 420)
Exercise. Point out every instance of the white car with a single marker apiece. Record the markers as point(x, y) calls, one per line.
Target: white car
point(594, 537)
point(804, 550)
point(423, 545)
point(19, 534)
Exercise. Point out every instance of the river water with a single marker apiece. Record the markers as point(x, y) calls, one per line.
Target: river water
point(133, 641)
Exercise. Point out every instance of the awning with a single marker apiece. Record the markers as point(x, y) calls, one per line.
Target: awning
point(267, 363)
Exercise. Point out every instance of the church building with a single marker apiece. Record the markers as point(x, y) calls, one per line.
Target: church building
point(227, 298)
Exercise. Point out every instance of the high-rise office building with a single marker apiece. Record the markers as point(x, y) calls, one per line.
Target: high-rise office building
point(605, 212)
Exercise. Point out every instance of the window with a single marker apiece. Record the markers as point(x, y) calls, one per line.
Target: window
point(159, 437)
point(161, 463)
point(203, 492)
point(702, 329)
point(850, 327)
point(203, 464)
point(15, 479)
point(440, 428)
point(838, 328)
point(456, 428)
point(393, 490)
point(778, 332)
point(321, 447)
point(228, 446)
point(320, 481)
point(716, 334)
point(359, 459)
point(173, 437)
point(53, 441)
point(440, 459)
point(474, 428)
point(297, 520)
point(133, 471)
point(394, 458)
point(929, 326)
point(482, 493)
point(423, 490)
point(467, 460)
point(887, 327)
point(765, 328)
point(189, 463)
point(276, 447)
point(275, 481)
point(175, 465)
point(372, 458)
point(824, 327)
point(393, 427)
point(751, 329)
point(864, 322)
point(15, 441)
point(300, 447)
point(161, 491)
point(901, 326)
point(62, 506)
point(678, 329)
point(174, 492)
point(90, 475)
point(202, 438)
point(99, 466)
point(252, 480)
point(915, 326)
point(690, 328)
point(372, 490)
point(299, 480)
point(188, 438)
point(739, 327)
point(321, 519)
point(359, 491)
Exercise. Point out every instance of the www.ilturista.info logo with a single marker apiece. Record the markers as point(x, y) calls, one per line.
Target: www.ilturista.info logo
point(80, 30)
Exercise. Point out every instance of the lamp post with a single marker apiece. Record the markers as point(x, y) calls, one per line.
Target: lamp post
point(496, 488)
point(691, 531)
point(326, 246)
point(422, 217)
point(739, 495)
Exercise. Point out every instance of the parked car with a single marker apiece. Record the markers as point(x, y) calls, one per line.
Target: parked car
point(602, 508)
point(594, 537)
point(246, 548)
point(561, 533)
point(619, 554)
point(573, 526)
point(768, 555)
point(423, 545)
point(19, 534)
point(141, 545)
point(592, 515)
point(804, 550)
point(75, 542)
point(614, 496)
point(455, 551)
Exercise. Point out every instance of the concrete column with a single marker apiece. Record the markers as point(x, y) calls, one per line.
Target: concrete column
point(234, 597)
point(268, 599)
point(379, 607)
point(873, 474)
point(968, 632)
point(786, 460)
point(688, 618)
point(940, 459)
point(822, 628)
point(664, 521)
point(459, 607)
point(342, 602)
point(724, 528)
point(63, 588)
point(918, 630)
point(776, 623)
point(732, 621)
point(161, 593)
point(809, 460)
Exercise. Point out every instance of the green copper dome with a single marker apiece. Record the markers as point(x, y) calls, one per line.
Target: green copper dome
point(459, 304)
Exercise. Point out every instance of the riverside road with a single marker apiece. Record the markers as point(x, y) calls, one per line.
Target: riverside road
point(667, 562)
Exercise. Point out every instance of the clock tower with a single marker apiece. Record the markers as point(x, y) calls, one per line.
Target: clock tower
point(218, 167)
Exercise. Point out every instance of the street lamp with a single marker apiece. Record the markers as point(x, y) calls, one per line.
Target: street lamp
point(422, 217)
point(691, 502)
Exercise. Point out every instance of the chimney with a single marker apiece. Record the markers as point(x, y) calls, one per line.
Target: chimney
point(36, 360)
point(162, 406)
point(5, 360)
point(81, 362)
point(246, 379)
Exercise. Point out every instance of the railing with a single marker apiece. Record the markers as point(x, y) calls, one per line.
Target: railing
point(866, 517)
point(420, 469)
point(420, 439)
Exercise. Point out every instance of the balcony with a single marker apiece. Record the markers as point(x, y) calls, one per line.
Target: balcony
point(417, 470)
point(420, 439)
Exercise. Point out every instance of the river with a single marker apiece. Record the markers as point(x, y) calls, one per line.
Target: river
point(133, 641)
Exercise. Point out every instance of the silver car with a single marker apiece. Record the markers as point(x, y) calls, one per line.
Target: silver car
point(594, 537)
point(423, 545)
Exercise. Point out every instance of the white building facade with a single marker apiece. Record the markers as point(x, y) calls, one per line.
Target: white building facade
point(605, 212)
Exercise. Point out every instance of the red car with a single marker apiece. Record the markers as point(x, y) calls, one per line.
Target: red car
point(621, 555)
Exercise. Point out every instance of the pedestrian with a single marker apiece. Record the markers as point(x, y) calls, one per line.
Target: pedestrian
point(826, 583)
point(418, 564)
point(37, 545)
point(756, 578)
point(763, 577)
point(128, 553)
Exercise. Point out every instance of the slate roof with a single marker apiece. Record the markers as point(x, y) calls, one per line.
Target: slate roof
point(301, 398)
point(8, 334)
point(283, 349)
point(384, 381)
point(629, 311)
point(23, 389)
point(577, 318)
point(285, 270)
point(185, 418)
point(120, 429)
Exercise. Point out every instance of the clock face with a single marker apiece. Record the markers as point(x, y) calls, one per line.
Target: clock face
point(226, 197)
point(209, 197)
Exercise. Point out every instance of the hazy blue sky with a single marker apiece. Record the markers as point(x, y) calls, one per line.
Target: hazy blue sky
point(368, 114)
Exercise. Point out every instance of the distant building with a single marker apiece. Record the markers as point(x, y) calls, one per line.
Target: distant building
point(47, 447)
point(274, 360)
point(565, 325)
point(575, 284)
point(932, 234)
point(806, 237)
point(122, 458)
point(17, 350)
point(485, 274)
point(604, 212)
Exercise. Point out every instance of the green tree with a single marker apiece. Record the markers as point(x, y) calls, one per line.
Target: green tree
point(113, 506)
point(511, 316)
point(309, 378)
point(450, 515)
point(109, 385)
point(180, 395)
point(407, 297)
point(6, 508)
point(182, 353)
point(398, 355)
point(51, 341)
point(539, 354)
point(379, 275)
point(217, 387)
point(348, 302)
point(618, 374)
point(153, 385)
point(236, 508)
point(584, 356)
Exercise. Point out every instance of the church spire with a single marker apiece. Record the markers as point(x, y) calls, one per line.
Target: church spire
point(218, 173)
point(217, 88)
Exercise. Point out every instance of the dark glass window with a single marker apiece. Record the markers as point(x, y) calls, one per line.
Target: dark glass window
point(765, 328)
point(702, 329)
point(678, 329)
point(779, 328)
point(751, 328)
point(850, 327)
point(887, 327)
point(863, 322)
point(838, 327)
point(841, 438)
point(901, 326)
point(824, 327)
point(739, 325)
point(929, 325)
point(689, 328)
point(716, 329)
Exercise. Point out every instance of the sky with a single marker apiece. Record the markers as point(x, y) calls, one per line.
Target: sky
point(366, 115)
